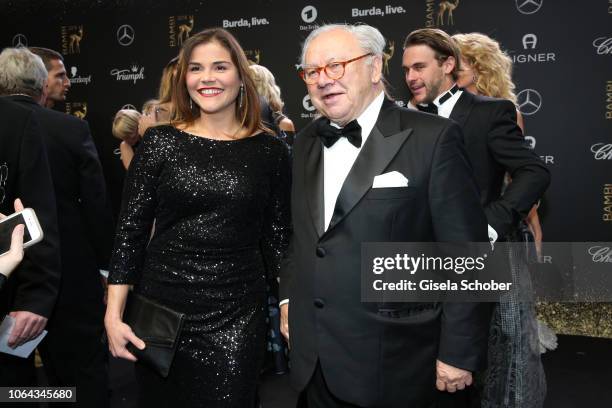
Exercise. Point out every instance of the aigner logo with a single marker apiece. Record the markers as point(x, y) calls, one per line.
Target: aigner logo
point(446, 7)
point(125, 35)
point(71, 39)
point(603, 45)
point(179, 28)
point(528, 6)
point(530, 142)
point(20, 40)
point(602, 151)
point(530, 41)
point(529, 101)
point(131, 74)
point(74, 79)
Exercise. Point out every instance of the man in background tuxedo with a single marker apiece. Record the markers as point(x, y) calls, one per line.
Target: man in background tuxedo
point(31, 292)
point(493, 140)
point(346, 353)
point(73, 354)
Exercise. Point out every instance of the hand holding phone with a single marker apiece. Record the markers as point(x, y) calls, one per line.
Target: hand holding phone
point(32, 232)
point(9, 260)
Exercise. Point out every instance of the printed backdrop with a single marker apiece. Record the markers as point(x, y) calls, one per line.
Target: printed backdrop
point(115, 51)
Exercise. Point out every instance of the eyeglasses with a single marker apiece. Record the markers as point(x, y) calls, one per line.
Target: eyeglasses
point(333, 70)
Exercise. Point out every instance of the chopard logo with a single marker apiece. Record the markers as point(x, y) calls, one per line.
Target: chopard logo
point(131, 74)
point(603, 45)
point(74, 79)
point(602, 151)
point(601, 254)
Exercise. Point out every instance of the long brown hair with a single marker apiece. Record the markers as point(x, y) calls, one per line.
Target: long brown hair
point(249, 115)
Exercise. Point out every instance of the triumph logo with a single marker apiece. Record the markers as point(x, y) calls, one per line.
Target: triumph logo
point(530, 41)
point(125, 35)
point(78, 109)
point(131, 74)
point(601, 254)
point(74, 79)
point(603, 45)
point(602, 151)
point(71, 39)
point(529, 101)
point(20, 40)
point(528, 6)
point(179, 29)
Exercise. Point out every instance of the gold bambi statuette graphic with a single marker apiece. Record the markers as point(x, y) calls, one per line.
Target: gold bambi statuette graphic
point(75, 41)
point(446, 6)
point(387, 55)
point(184, 31)
point(82, 112)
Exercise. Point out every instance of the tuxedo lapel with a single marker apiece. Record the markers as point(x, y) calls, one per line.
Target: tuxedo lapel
point(462, 108)
point(379, 149)
point(313, 175)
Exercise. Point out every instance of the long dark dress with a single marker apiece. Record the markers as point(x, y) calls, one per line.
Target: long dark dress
point(221, 211)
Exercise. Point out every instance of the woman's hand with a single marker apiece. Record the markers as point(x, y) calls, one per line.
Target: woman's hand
point(119, 335)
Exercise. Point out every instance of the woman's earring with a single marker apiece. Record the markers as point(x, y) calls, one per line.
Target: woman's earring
point(190, 104)
point(240, 95)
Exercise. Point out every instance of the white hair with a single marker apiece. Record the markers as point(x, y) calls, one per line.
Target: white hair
point(21, 71)
point(370, 38)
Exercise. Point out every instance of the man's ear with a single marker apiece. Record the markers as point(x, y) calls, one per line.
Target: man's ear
point(376, 69)
point(449, 65)
point(44, 93)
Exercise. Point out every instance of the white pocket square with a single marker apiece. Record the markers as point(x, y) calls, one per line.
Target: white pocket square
point(391, 179)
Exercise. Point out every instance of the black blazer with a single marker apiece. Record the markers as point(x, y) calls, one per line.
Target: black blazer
point(25, 174)
point(368, 358)
point(84, 215)
point(495, 145)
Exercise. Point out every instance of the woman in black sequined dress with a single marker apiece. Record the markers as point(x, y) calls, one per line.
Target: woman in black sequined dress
point(217, 185)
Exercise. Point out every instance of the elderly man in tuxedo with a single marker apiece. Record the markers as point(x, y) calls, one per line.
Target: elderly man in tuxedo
point(346, 353)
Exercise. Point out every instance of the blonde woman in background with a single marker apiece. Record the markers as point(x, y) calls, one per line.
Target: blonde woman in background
point(271, 93)
point(515, 376)
point(125, 128)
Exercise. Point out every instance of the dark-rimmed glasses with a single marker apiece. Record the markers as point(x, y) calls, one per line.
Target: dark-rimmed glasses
point(333, 70)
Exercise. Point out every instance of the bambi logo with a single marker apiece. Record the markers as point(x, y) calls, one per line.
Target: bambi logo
point(78, 109)
point(71, 39)
point(530, 41)
point(179, 28)
point(446, 7)
point(387, 55)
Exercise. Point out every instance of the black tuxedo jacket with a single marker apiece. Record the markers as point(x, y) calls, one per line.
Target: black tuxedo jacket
point(495, 145)
point(368, 358)
point(24, 173)
point(84, 216)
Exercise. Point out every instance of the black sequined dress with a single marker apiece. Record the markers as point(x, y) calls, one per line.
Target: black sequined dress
point(221, 211)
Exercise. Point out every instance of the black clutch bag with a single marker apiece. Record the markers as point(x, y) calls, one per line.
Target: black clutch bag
point(158, 326)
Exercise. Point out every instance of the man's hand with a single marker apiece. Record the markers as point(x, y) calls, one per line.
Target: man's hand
point(27, 326)
point(451, 379)
point(284, 321)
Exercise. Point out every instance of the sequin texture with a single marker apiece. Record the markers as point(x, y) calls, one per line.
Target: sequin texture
point(221, 211)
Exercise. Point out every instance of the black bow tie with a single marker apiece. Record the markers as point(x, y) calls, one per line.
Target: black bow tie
point(432, 107)
point(330, 134)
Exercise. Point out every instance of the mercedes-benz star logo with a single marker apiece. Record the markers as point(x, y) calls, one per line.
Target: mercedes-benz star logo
point(20, 40)
point(529, 101)
point(528, 6)
point(125, 35)
point(129, 106)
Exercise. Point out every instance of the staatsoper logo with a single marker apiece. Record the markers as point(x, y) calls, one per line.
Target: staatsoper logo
point(78, 79)
point(131, 74)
